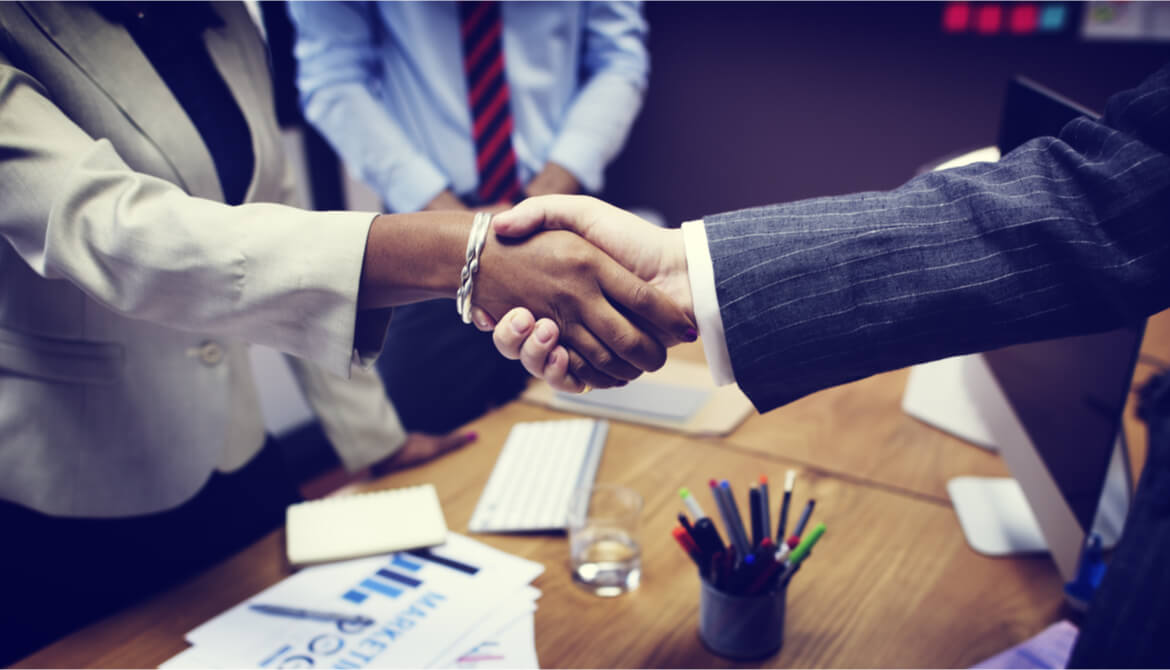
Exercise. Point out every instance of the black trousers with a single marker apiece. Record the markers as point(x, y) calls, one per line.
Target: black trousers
point(441, 373)
point(60, 574)
point(1128, 622)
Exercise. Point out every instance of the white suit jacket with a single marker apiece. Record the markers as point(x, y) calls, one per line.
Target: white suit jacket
point(127, 288)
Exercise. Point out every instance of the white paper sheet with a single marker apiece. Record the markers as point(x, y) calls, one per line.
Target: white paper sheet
point(413, 622)
point(513, 647)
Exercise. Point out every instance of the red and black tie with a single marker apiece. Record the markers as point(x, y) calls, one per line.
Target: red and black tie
point(487, 94)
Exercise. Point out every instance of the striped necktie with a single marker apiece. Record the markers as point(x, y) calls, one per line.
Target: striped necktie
point(487, 94)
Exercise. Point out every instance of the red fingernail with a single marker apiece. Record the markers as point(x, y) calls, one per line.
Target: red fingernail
point(692, 334)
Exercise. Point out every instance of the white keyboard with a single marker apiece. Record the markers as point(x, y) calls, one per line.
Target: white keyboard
point(538, 469)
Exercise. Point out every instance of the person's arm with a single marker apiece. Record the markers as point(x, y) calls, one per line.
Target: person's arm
point(275, 275)
point(1064, 236)
point(616, 68)
point(337, 64)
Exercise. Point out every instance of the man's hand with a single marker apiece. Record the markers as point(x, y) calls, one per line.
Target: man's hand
point(420, 448)
point(590, 299)
point(615, 322)
point(552, 179)
point(653, 254)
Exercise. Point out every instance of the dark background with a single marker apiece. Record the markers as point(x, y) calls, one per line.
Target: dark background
point(752, 103)
point(757, 102)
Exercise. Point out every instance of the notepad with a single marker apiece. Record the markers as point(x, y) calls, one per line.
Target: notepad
point(332, 529)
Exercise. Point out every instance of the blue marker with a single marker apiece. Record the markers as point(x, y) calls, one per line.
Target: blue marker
point(738, 533)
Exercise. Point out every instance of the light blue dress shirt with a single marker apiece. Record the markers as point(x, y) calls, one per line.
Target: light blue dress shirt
point(384, 83)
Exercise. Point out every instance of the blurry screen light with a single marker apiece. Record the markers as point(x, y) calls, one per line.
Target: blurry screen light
point(1023, 18)
point(956, 17)
point(1053, 17)
point(988, 19)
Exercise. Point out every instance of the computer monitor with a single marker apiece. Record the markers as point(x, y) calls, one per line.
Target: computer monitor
point(1052, 409)
point(1030, 110)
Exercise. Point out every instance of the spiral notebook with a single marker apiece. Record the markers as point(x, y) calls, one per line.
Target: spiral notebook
point(350, 526)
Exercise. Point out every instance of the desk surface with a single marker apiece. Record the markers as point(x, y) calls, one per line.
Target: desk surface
point(892, 584)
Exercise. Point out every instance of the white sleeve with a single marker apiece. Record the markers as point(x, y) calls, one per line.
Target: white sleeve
point(710, 321)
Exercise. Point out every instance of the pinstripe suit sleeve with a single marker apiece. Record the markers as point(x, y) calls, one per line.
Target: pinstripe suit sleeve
point(1065, 235)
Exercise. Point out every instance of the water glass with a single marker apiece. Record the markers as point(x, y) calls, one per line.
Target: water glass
point(604, 552)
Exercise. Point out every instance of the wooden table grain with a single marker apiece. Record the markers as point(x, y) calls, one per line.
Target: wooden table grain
point(892, 583)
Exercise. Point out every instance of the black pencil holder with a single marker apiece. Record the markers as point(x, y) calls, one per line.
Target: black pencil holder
point(742, 627)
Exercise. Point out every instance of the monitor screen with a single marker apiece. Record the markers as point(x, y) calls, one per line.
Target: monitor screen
point(1069, 395)
point(1030, 110)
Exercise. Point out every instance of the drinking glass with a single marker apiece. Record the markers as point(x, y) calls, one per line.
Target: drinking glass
point(604, 553)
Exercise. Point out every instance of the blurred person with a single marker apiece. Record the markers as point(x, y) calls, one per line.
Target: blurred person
point(144, 242)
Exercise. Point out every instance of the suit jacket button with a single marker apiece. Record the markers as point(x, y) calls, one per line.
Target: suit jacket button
point(210, 353)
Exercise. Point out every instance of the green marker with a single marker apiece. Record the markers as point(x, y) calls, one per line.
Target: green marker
point(801, 552)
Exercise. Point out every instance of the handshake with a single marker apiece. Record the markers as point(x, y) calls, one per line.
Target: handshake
point(605, 296)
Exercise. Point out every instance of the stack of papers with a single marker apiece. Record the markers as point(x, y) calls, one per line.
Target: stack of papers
point(459, 605)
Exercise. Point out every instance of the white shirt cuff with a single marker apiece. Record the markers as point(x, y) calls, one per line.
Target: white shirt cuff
point(710, 321)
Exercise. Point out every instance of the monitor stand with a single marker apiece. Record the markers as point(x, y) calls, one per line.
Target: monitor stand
point(995, 516)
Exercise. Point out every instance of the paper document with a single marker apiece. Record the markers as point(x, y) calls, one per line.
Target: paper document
point(409, 609)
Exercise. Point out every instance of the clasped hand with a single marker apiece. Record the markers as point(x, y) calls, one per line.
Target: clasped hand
point(604, 316)
point(572, 344)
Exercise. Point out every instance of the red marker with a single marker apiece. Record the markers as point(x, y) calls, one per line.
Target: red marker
point(684, 540)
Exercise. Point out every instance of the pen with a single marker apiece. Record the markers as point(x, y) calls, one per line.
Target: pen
point(801, 552)
point(799, 530)
point(691, 503)
point(684, 540)
point(738, 534)
point(757, 518)
point(690, 531)
point(765, 506)
point(782, 526)
point(728, 524)
point(706, 535)
point(346, 623)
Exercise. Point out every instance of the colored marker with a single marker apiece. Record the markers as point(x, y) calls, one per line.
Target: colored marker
point(691, 503)
point(757, 518)
point(724, 513)
point(765, 506)
point(782, 527)
point(684, 540)
point(694, 535)
point(808, 509)
point(738, 534)
point(721, 507)
point(801, 552)
point(703, 529)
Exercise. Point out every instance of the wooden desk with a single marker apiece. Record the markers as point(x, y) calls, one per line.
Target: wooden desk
point(885, 447)
point(893, 584)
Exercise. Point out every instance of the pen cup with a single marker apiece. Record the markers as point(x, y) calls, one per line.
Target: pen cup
point(742, 627)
